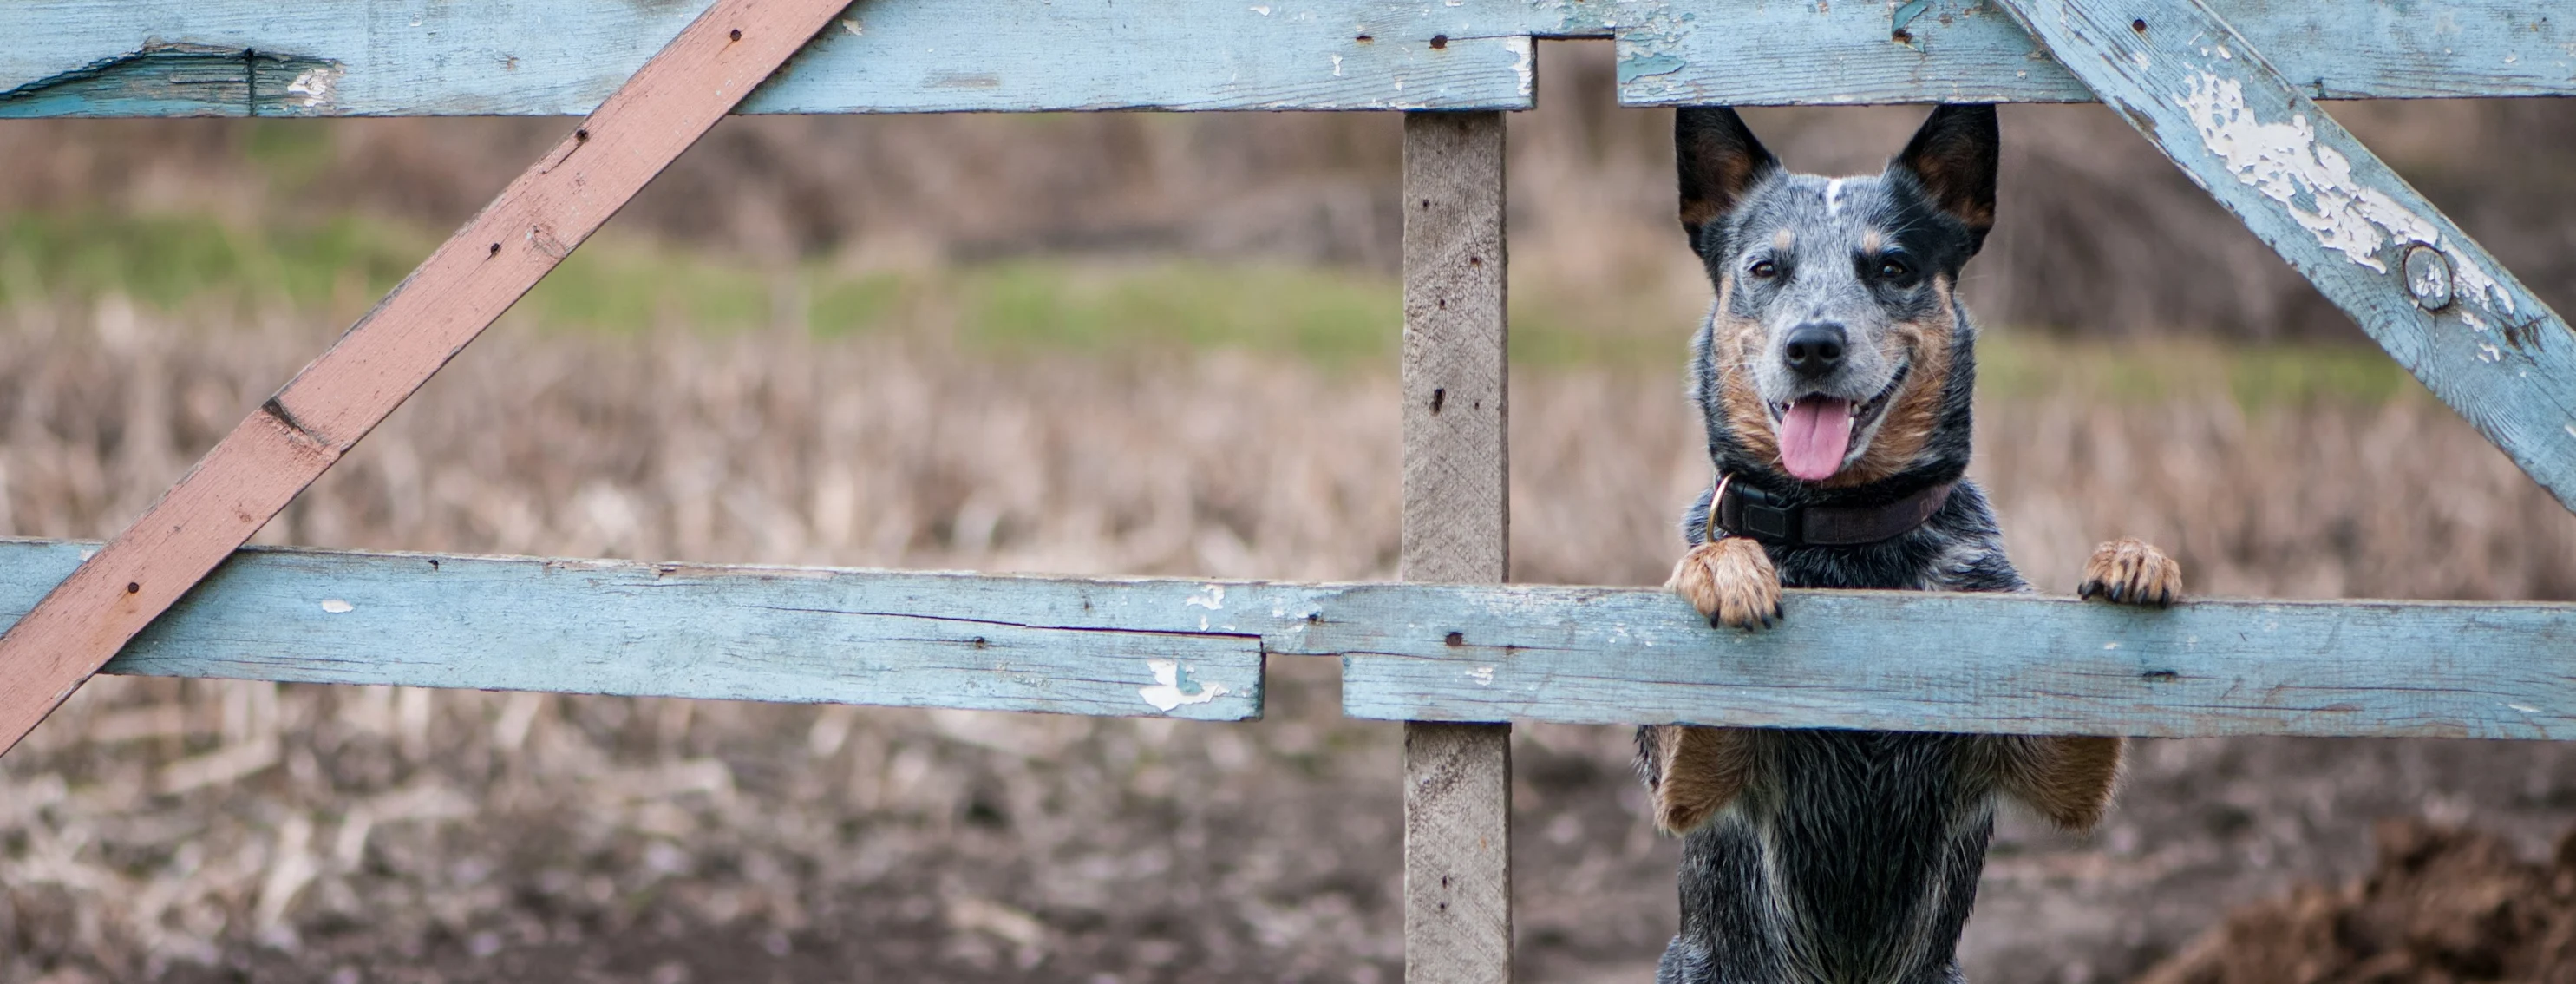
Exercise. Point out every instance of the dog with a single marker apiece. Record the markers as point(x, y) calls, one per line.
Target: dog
point(1835, 372)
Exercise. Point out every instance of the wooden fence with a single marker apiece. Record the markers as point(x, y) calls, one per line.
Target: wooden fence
point(2224, 87)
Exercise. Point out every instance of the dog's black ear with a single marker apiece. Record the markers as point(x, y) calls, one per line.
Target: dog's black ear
point(1954, 155)
point(1719, 161)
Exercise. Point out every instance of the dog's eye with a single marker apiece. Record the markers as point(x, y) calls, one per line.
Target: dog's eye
point(1892, 268)
point(1764, 270)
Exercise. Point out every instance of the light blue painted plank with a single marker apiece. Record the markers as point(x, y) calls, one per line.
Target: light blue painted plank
point(2370, 243)
point(617, 627)
point(1913, 661)
point(1898, 660)
point(1770, 52)
point(524, 57)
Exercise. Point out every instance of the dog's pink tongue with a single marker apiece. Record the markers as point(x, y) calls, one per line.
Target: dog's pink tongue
point(1813, 437)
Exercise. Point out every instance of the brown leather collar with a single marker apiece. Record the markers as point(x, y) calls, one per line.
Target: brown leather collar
point(1742, 510)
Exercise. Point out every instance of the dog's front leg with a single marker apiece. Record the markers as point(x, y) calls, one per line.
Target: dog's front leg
point(1731, 581)
point(1694, 771)
point(2069, 779)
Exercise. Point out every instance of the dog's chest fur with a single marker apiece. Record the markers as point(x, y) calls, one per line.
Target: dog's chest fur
point(1852, 857)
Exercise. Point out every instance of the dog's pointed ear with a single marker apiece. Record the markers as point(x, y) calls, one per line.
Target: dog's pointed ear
point(1954, 155)
point(1719, 161)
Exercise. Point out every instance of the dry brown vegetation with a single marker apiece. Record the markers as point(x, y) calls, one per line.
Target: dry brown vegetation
point(201, 830)
point(205, 830)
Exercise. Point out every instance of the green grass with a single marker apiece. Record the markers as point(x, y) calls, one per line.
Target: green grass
point(1329, 317)
point(2022, 365)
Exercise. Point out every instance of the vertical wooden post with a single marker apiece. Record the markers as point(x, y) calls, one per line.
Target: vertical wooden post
point(1457, 516)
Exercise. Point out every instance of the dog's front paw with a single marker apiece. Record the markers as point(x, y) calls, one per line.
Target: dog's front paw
point(1731, 581)
point(2130, 572)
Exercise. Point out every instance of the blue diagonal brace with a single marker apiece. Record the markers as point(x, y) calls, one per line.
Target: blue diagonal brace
point(2430, 295)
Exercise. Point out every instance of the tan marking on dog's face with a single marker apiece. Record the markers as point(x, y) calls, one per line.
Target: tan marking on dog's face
point(1914, 412)
point(1731, 342)
point(1873, 241)
point(1784, 239)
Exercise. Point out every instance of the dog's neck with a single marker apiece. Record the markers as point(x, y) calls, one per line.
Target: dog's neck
point(1743, 509)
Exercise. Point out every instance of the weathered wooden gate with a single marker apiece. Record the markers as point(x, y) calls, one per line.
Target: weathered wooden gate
point(2223, 87)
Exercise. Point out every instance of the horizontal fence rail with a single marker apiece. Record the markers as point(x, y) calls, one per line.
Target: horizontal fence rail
point(1811, 53)
point(524, 57)
point(1424, 652)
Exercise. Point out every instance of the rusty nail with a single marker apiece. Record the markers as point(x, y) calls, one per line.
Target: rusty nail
point(496, 250)
point(581, 134)
point(2139, 26)
point(133, 586)
point(2428, 277)
point(1439, 41)
point(736, 34)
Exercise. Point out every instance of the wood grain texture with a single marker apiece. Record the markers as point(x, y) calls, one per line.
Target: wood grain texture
point(530, 57)
point(2212, 102)
point(475, 276)
point(1456, 465)
point(1457, 528)
point(1972, 51)
point(1457, 853)
point(1905, 661)
point(616, 627)
point(1857, 659)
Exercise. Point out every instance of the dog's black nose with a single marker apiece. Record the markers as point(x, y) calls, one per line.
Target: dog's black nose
point(1814, 348)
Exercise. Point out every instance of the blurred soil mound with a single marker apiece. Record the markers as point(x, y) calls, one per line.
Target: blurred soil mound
point(2443, 905)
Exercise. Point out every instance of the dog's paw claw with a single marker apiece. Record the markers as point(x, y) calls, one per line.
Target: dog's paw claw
point(1731, 582)
point(2128, 571)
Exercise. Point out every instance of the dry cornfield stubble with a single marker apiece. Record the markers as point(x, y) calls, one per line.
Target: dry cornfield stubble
point(210, 830)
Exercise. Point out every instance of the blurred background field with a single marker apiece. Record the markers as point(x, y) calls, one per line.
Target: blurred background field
point(1133, 344)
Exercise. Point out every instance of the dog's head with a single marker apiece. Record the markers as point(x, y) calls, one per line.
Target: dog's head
point(1835, 354)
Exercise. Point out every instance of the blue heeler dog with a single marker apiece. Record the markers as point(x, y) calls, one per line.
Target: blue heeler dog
point(1835, 373)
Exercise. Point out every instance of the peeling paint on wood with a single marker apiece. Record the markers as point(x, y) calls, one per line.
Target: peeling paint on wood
point(1673, 53)
point(1891, 660)
point(2214, 102)
point(161, 79)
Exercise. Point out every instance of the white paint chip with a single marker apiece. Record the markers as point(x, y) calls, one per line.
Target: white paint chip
point(1166, 693)
point(852, 25)
point(1483, 675)
point(1211, 597)
point(2525, 708)
point(315, 86)
point(2284, 160)
point(1526, 63)
point(337, 607)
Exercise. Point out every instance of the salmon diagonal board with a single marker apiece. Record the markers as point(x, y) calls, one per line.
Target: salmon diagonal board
point(460, 290)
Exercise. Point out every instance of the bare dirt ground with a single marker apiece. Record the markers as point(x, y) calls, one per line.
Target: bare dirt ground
point(207, 831)
point(2440, 905)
